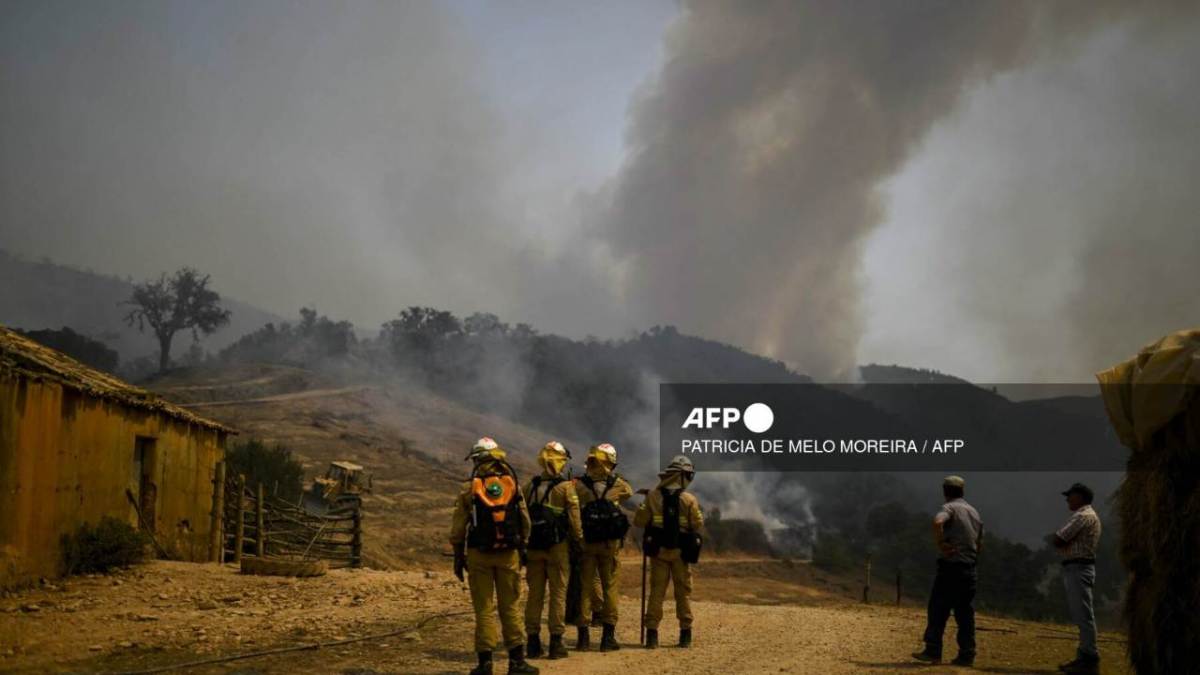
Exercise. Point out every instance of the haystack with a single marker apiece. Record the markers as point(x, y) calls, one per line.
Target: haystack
point(1151, 401)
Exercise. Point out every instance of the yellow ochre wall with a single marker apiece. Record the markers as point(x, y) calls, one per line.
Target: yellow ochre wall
point(67, 458)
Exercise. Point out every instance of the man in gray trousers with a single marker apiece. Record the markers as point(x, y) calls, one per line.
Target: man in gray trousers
point(1076, 543)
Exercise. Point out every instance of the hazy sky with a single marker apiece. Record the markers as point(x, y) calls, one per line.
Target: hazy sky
point(998, 190)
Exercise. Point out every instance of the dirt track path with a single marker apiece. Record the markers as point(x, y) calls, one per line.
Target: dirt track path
point(166, 614)
point(737, 638)
point(294, 396)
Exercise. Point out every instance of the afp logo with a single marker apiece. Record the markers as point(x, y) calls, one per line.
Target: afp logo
point(758, 417)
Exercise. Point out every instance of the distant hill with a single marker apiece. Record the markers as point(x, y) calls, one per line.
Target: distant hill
point(676, 357)
point(875, 373)
point(44, 294)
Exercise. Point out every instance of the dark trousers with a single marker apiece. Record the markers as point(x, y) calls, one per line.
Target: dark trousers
point(953, 591)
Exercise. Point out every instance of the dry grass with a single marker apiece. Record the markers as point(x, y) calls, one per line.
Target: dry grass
point(1160, 546)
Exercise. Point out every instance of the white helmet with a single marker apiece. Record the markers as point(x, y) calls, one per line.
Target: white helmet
point(486, 448)
point(604, 453)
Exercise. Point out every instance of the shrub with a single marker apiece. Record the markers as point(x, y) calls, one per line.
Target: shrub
point(832, 553)
point(729, 535)
point(273, 466)
point(98, 548)
point(79, 347)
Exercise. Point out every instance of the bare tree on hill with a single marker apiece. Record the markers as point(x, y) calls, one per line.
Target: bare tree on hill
point(171, 304)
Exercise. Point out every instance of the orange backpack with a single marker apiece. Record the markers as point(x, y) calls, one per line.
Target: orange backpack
point(496, 516)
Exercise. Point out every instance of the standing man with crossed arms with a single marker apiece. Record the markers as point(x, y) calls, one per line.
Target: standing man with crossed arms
point(1076, 543)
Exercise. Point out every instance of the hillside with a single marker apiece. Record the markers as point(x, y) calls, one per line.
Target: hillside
point(411, 440)
point(1019, 504)
point(42, 294)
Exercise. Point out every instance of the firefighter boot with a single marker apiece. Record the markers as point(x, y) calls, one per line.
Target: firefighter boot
point(518, 664)
point(583, 642)
point(485, 664)
point(685, 637)
point(651, 638)
point(533, 645)
point(557, 649)
point(608, 640)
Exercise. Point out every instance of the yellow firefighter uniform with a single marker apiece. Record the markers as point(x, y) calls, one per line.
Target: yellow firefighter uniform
point(494, 577)
point(600, 558)
point(667, 566)
point(552, 565)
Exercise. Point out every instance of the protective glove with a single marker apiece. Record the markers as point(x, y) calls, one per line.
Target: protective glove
point(524, 557)
point(460, 561)
point(575, 550)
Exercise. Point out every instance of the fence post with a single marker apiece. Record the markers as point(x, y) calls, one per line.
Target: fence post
point(239, 532)
point(356, 539)
point(867, 584)
point(260, 538)
point(898, 587)
point(216, 541)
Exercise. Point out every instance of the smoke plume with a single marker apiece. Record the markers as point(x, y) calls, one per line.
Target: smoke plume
point(756, 156)
point(360, 158)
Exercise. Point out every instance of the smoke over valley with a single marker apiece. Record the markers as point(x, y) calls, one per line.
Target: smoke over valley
point(823, 184)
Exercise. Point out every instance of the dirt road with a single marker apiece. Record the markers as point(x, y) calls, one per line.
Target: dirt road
point(165, 614)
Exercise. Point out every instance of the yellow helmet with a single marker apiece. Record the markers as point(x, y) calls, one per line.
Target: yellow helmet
point(603, 453)
point(486, 448)
point(553, 457)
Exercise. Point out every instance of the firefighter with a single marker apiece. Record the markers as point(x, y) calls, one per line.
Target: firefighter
point(488, 532)
point(600, 491)
point(672, 521)
point(554, 512)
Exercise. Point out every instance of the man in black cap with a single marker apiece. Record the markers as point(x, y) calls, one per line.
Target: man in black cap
point(958, 535)
point(1076, 543)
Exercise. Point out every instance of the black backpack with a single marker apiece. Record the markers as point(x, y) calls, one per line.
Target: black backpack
point(602, 519)
point(547, 527)
point(667, 536)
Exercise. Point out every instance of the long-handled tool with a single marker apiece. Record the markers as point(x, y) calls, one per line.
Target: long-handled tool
point(642, 626)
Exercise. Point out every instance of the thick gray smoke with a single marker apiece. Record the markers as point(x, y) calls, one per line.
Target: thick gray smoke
point(356, 156)
point(757, 156)
point(342, 154)
point(1049, 224)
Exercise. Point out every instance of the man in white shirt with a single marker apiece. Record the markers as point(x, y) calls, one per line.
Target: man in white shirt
point(1076, 543)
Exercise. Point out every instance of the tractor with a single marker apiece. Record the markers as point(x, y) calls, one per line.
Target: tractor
point(341, 487)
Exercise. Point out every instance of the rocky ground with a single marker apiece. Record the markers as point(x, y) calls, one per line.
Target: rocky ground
point(752, 616)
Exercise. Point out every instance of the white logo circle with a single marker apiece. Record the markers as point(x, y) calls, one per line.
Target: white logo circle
point(758, 417)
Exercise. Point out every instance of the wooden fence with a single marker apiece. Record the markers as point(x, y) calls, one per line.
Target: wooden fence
point(259, 524)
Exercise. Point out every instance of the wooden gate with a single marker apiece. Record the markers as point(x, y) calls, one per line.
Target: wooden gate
point(258, 524)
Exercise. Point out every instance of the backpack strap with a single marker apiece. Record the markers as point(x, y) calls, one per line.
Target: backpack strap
point(554, 482)
point(608, 483)
point(546, 496)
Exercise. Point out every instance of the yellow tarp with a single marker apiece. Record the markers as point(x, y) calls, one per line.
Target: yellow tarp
point(1146, 392)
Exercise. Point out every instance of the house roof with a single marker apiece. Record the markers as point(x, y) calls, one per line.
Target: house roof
point(29, 359)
